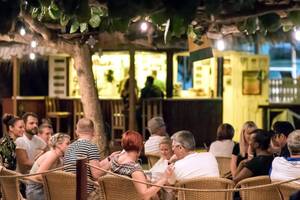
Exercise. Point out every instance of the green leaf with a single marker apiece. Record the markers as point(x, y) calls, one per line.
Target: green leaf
point(45, 3)
point(35, 12)
point(64, 19)
point(294, 16)
point(159, 18)
point(74, 27)
point(83, 27)
point(271, 22)
point(95, 21)
point(178, 26)
point(97, 11)
point(54, 11)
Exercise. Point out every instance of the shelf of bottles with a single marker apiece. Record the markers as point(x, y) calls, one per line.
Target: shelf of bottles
point(284, 90)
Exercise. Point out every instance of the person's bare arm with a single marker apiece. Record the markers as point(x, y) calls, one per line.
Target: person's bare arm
point(23, 160)
point(244, 173)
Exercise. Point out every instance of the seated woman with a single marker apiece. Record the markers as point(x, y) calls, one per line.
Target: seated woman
point(288, 168)
point(223, 146)
point(49, 160)
point(165, 148)
point(240, 150)
point(126, 164)
point(260, 165)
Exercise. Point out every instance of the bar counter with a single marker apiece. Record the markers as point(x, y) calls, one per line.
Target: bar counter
point(201, 116)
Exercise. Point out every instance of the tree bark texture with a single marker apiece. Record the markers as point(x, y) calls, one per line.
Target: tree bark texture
point(89, 96)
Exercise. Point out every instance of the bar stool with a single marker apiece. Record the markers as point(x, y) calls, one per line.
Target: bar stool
point(77, 113)
point(117, 120)
point(52, 112)
point(150, 108)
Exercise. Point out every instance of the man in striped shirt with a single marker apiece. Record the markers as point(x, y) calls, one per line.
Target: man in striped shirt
point(83, 147)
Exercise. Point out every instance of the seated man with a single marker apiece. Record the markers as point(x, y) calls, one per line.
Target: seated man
point(191, 164)
point(157, 129)
point(282, 130)
point(288, 168)
point(83, 147)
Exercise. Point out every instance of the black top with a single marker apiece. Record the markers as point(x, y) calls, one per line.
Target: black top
point(260, 165)
point(285, 152)
point(151, 91)
point(236, 152)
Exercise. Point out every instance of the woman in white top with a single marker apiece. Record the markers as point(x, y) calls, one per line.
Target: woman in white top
point(49, 160)
point(165, 148)
point(223, 146)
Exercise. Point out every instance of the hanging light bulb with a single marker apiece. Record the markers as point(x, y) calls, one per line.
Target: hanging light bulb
point(32, 56)
point(33, 44)
point(22, 31)
point(144, 26)
point(220, 45)
point(297, 34)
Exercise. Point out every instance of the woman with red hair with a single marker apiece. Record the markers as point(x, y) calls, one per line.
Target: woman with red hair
point(126, 164)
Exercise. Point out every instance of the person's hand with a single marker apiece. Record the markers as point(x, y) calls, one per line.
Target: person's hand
point(173, 159)
point(169, 171)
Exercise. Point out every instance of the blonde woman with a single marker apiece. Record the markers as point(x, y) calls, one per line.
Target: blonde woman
point(49, 160)
point(241, 150)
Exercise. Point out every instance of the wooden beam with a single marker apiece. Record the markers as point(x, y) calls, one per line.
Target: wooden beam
point(16, 83)
point(132, 86)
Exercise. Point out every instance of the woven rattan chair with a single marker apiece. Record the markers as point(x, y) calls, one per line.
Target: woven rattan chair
point(59, 185)
point(224, 165)
point(265, 193)
point(206, 183)
point(116, 188)
point(152, 159)
point(287, 189)
point(9, 185)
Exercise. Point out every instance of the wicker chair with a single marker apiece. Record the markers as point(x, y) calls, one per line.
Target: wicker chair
point(288, 189)
point(60, 185)
point(224, 165)
point(206, 183)
point(267, 193)
point(116, 188)
point(152, 159)
point(9, 185)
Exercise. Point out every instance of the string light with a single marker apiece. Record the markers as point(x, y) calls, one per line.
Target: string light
point(144, 26)
point(297, 34)
point(32, 56)
point(22, 31)
point(33, 44)
point(220, 45)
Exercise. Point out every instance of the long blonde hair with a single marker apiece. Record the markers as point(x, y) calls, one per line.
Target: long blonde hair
point(243, 144)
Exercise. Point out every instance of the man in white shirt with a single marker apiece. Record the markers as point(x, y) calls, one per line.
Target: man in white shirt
point(29, 145)
point(157, 129)
point(191, 164)
point(288, 168)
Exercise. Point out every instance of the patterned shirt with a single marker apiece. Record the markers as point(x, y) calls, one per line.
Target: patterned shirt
point(8, 152)
point(81, 148)
point(124, 169)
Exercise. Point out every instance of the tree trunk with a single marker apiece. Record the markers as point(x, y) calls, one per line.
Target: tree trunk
point(89, 96)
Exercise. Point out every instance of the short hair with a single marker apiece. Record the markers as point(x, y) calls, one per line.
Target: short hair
point(150, 80)
point(293, 142)
point(44, 125)
point(9, 120)
point(185, 138)
point(58, 138)
point(263, 138)
point(85, 125)
point(132, 141)
point(166, 140)
point(28, 114)
point(283, 127)
point(225, 132)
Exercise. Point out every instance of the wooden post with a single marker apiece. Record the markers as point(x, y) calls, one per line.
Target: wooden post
point(132, 86)
point(81, 179)
point(16, 83)
point(220, 64)
point(169, 74)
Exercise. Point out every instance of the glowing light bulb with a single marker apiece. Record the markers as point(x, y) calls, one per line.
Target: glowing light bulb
point(220, 45)
point(297, 34)
point(22, 31)
point(144, 26)
point(32, 56)
point(33, 43)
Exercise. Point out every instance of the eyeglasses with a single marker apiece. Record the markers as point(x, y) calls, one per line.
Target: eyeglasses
point(176, 146)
